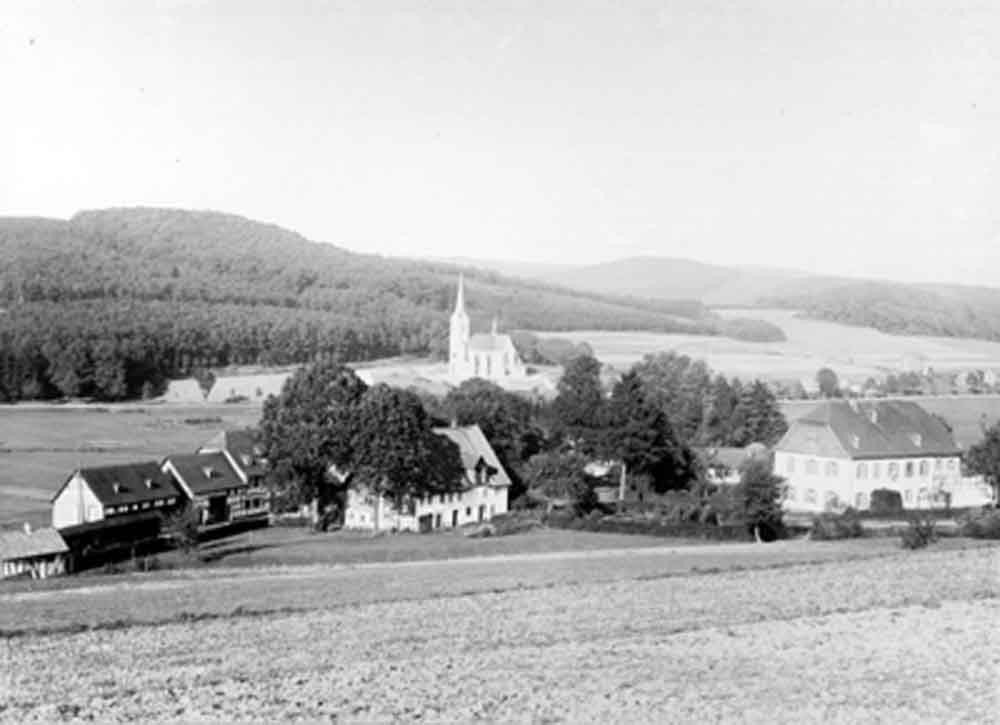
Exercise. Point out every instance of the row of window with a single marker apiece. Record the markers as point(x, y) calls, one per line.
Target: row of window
point(861, 499)
point(864, 470)
point(125, 508)
point(448, 498)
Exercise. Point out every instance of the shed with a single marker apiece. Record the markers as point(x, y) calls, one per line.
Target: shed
point(35, 554)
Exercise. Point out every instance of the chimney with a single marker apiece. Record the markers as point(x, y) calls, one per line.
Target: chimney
point(149, 483)
point(454, 422)
point(27, 528)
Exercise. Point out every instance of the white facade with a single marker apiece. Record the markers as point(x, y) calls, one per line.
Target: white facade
point(817, 484)
point(489, 356)
point(368, 512)
point(76, 504)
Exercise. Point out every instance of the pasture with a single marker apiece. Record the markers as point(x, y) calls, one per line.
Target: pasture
point(784, 632)
point(855, 353)
point(41, 445)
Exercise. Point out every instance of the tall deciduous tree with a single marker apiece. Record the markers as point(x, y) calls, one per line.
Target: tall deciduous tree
point(640, 435)
point(579, 402)
point(759, 494)
point(984, 458)
point(560, 475)
point(828, 382)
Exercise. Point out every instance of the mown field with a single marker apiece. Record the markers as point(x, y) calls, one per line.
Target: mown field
point(40, 446)
point(789, 632)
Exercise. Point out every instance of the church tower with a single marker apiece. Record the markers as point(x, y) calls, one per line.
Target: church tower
point(458, 339)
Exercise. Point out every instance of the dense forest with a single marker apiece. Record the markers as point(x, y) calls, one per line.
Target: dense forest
point(112, 303)
point(904, 309)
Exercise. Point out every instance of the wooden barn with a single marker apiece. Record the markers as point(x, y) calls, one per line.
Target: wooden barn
point(216, 489)
point(31, 554)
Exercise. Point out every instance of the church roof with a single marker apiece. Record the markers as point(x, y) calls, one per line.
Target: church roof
point(487, 342)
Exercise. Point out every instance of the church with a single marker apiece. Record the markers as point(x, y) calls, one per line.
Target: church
point(490, 356)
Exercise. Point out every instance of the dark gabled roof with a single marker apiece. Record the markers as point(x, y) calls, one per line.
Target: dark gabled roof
point(242, 445)
point(474, 447)
point(204, 473)
point(128, 483)
point(21, 545)
point(869, 429)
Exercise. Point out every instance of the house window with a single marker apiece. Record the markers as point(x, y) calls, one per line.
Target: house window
point(468, 511)
point(829, 499)
point(909, 469)
point(938, 464)
point(925, 468)
point(855, 441)
point(876, 469)
point(146, 504)
point(109, 510)
point(922, 495)
point(952, 463)
point(812, 467)
point(862, 471)
point(917, 439)
point(893, 470)
point(831, 468)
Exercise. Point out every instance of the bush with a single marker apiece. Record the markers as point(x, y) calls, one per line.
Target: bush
point(886, 501)
point(830, 527)
point(919, 533)
point(514, 523)
point(983, 525)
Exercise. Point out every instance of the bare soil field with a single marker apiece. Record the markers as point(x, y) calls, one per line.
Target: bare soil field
point(637, 636)
point(41, 445)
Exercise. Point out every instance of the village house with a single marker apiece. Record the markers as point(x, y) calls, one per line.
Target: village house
point(482, 496)
point(109, 496)
point(246, 456)
point(839, 452)
point(36, 554)
point(489, 356)
point(214, 487)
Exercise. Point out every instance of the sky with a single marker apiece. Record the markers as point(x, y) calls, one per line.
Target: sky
point(857, 137)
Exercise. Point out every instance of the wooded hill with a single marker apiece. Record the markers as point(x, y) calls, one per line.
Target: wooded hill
point(111, 303)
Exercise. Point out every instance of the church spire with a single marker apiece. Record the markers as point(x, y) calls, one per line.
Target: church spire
point(460, 297)
point(495, 324)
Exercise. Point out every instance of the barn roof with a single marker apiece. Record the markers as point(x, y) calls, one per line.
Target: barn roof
point(21, 545)
point(869, 429)
point(203, 474)
point(242, 445)
point(127, 483)
point(473, 447)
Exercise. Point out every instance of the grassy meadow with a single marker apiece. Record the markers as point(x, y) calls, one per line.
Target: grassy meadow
point(41, 445)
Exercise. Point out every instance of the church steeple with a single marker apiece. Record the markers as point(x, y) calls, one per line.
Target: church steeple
point(460, 297)
point(495, 326)
point(458, 337)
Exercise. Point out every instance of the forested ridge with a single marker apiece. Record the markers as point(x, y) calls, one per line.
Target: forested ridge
point(111, 303)
point(947, 311)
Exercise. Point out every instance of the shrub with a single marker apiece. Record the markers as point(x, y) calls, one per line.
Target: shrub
point(830, 527)
point(919, 533)
point(514, 523)
point(983, 525)
point(886, 501)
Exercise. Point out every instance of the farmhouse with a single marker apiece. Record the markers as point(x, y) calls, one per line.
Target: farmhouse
point(35, 554)
point(483, 495)
point(109, 496)
point(216, 489)
point(242, 388)
point(841, 451)
point(489, 356)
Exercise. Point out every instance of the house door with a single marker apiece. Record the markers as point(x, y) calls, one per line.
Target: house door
point(426, 523)
point(482, 512)
point(218, 510)
point(454, 519)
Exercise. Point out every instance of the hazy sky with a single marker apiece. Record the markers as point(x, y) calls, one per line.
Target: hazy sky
point(846, 137)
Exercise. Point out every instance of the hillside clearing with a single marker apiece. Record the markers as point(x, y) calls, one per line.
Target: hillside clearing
point(836, 641)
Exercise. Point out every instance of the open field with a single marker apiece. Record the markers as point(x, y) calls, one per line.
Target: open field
point(854, 352)
point(41, 445)
point(636, 636)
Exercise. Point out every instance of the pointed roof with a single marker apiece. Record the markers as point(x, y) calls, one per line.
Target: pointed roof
point(474, 447)
point(460, 297)
point(202, 474)
point(28, 544)
point(126, 483)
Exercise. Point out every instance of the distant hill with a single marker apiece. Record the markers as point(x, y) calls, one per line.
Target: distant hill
point(913, 309)
point(111, 302)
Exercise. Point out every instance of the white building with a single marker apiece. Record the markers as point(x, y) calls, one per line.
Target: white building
point(483, 495)
point(838, 453)
point(489, 356)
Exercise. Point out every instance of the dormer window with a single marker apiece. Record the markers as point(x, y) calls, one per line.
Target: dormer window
point(918, 440)
point(855, 441)
point(246, 459)
point(209, 472)
point(149, 483)
point(116, 487)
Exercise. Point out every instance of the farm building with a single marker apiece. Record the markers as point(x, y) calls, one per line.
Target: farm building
point(187, 390)
point(722, 464)
point(112, 495)
point(215, 487)
point(240, 388)
point(483, 496)
point(838, 453)
point(244, 453)
point(36, 554)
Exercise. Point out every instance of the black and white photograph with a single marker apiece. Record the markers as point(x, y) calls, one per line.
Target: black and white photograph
point(456, 361)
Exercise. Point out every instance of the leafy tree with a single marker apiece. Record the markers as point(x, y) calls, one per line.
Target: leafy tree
point(560, 475)
point(760, 493)
point(983, 458)
point(181, 527)
point(640, 435)
point(578, 406)
point(756, 417)
point(394, 449)
point(505, 418)
point(829, 384)
point(310, 426)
